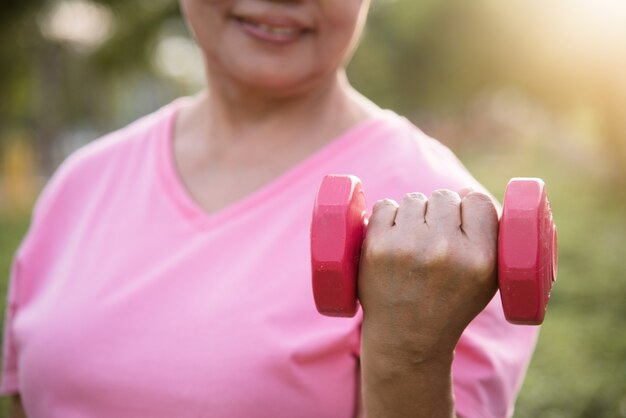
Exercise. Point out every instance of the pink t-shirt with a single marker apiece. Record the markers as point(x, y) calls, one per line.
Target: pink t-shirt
point(127, 300)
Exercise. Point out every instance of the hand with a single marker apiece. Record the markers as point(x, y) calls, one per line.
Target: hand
point(428, 267)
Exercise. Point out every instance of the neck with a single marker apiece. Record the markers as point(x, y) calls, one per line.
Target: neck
point(233, 113)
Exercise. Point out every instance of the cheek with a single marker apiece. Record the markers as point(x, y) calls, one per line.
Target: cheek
point(343, 21)
point(204, 19)
point(344, 12)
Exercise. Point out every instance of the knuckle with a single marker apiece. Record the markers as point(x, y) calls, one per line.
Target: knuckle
point(405, 253)
point(398, 252)
point(374, 249)
point(436, 253)
point(479, 198)
point(482, 263)
point(482, 205)
point(466, 190)
point(446, 200)
point(445, 194)
point(415, 196)
point(384, 204)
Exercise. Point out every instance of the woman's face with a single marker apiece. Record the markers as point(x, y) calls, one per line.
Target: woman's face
point(277, 45)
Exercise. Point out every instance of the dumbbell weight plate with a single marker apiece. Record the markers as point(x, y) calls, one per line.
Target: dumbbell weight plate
point(527, 251)
point(337, 232)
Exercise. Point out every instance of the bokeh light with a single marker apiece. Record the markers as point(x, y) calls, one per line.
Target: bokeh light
point(82, 23)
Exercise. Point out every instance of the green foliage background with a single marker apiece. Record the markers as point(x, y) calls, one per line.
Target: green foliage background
point(508, 86)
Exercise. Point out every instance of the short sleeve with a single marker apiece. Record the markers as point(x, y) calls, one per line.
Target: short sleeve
point(8, 376)
point(490, 363)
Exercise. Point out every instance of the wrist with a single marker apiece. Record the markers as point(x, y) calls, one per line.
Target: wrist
point(393, 365)
point(401, 352)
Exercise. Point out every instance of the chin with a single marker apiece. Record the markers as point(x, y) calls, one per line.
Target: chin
point(276, 83)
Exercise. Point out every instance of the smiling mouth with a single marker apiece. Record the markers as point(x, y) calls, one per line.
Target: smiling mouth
point(276, 32)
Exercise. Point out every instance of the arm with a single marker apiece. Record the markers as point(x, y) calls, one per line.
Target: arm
point(393, 389)
point(360, 408)
point(427, 269)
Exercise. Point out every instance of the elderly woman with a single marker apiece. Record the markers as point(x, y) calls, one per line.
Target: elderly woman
point(166, 270)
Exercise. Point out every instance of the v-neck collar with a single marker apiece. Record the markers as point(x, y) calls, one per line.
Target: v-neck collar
point(191, 209)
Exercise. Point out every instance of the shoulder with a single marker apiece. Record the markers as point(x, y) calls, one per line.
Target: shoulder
point(107, 155)
point(93, 171)
point(402, 158)
point(106, 151)
point(431, 158)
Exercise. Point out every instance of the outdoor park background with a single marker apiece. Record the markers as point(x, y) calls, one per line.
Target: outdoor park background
point(515, 88)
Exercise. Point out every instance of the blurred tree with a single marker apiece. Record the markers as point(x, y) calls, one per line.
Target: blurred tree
point(49, 85)
point(16, 56)
point(420, 58)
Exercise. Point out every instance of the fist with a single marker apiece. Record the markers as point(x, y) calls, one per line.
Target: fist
point(428, 267)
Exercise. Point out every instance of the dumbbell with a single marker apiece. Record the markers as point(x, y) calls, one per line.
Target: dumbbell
point(527, 248)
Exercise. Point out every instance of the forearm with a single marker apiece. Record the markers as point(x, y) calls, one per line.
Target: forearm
point(396, 388)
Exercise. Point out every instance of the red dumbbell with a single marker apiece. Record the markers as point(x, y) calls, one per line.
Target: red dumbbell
point(527, 248)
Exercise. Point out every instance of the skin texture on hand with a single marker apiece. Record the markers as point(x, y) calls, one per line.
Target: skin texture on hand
point(428, 267)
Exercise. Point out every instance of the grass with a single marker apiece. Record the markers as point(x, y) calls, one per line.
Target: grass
point(12, 229)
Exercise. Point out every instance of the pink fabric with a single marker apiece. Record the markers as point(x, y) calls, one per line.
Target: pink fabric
point(127, 300)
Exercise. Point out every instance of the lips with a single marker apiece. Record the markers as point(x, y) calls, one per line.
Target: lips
point(273, 29)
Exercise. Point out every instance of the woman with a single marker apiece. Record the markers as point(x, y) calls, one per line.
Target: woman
point(166, 269)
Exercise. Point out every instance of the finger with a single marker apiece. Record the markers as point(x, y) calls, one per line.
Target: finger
point(444, 210)
point(412, 210)
point(383, 216)
point(479, 217)
point(465, 191)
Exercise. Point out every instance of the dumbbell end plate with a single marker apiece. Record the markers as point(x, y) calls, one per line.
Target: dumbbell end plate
point(527, 251)
point(337, 231)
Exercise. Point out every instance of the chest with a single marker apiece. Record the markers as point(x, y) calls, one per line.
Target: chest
point(216, 179)
point(220, 320)
point(214, 188)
